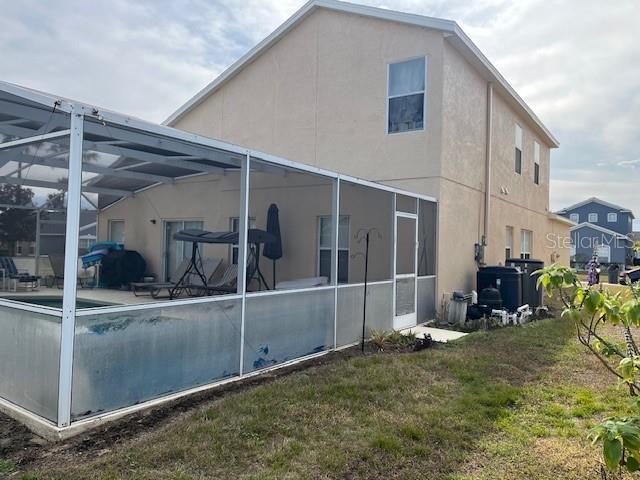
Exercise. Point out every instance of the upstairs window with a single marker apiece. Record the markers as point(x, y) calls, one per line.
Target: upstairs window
point(593, 218)
point(406, 95)
point(518, 149)
point(536, 163)
point(612, 217)
point(575, 217)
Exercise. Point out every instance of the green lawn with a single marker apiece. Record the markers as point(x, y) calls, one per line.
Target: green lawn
point(513, 403)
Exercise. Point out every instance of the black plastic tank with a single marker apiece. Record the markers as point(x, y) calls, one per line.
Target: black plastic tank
point(490, 297)
point(508, 280)
point(531, 295)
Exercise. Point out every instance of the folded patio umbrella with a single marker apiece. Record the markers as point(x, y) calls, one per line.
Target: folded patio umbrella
point(273, 249)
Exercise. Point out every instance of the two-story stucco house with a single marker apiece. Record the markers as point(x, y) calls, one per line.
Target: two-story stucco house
point(400, 99)
point(601, 228)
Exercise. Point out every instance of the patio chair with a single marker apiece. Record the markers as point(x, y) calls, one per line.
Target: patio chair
point(12, 277)
point(192, 283)
point(57, 265)
point(154, 289)
point(224, 280)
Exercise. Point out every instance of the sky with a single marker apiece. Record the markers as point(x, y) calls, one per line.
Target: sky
point(575, 62)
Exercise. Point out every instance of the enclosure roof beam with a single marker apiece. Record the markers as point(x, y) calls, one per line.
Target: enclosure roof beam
point(63, 186)
point(146, 139)
point(93, 168)
point(23, 142)
point(178, 162)
point(28, 113)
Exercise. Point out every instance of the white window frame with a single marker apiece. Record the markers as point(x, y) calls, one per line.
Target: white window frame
point(519, 142)
point(184, 247)
point(109, 229)
point(321, 248)
point(536, 163)
point(612, 217)
point(591, 216)
point(525, 253)
point(424, 98)
point(508, 243)
point(575, 217)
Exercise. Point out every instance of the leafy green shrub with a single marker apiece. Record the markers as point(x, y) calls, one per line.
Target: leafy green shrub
point(590, 307)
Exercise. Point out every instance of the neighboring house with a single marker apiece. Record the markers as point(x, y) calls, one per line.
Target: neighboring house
point(52, 234)
point(400, 99)
point(601, 228)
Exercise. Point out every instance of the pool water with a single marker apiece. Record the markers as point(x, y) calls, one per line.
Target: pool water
point(56, 302)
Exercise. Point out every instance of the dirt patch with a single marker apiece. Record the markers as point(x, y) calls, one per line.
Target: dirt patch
point(16, 441)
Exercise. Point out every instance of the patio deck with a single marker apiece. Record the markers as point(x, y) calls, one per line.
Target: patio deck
point(98, 295)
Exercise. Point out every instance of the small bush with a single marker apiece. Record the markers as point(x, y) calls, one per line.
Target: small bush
point(379, 339)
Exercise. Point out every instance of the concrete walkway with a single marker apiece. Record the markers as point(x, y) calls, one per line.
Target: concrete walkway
point(438, 334)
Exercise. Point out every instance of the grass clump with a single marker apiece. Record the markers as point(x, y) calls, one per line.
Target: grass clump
point(7, 466)
point(386, 443)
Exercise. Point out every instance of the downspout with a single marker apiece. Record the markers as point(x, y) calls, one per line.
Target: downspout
point(487, 179)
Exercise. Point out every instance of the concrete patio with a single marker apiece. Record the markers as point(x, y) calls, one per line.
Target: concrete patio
point(437, 334)
point(98, 295)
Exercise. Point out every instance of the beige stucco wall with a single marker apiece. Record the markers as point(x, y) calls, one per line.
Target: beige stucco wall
point(318, 96)
point(463, 189)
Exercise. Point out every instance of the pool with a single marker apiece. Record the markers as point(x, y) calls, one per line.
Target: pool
point(56, 302)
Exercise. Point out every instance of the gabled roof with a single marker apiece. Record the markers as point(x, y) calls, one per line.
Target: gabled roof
point(596, 200)
point(559, 218)
point(455, 36)
point(600, 229)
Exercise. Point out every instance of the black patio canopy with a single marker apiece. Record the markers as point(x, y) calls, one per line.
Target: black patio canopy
point(255, 236)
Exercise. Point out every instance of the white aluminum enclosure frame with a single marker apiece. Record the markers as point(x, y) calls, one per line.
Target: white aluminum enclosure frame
point(68, 327)
point(409, 319)
point(79, 114)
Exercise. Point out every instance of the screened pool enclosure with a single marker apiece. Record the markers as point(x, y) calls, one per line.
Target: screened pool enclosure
point(244, 261)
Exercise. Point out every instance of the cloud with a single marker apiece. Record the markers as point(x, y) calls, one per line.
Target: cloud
point(574, 62)
point(630, 163)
